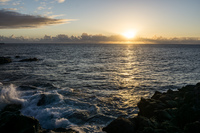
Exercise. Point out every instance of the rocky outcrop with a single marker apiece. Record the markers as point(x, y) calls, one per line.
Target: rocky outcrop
point(29, 60)
point(4, 60)
point(12, 121)
point(169, 112)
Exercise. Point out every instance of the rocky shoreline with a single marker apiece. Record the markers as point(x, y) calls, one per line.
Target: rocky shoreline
point(168, 112)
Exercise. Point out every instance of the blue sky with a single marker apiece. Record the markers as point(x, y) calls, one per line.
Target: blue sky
point(169, 18)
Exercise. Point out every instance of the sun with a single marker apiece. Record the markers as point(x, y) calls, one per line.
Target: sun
point(129, 34)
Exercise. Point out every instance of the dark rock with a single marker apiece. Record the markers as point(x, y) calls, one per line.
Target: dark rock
point(12, 122)
point(160, 131)
point(46, 99)
point(42, 101)
point(12, 108)
point(170, 112)
point(148, 106)
point(142, 122)
point(78, 117)
point(29, 60)
point(17, 56)
point(156, 95)
point(120, 125)
point(170, 91)
point(4, 60)
point(64, 130)
point(192, 127)
point(162, 115)
point(26, 87)
point(148, 130)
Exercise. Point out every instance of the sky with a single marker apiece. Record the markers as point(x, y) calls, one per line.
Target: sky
point(148, 19)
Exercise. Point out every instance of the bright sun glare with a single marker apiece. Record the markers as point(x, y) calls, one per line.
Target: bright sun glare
point(129, 34)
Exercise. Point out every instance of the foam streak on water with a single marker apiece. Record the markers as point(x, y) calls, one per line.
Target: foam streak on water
point(85, 86)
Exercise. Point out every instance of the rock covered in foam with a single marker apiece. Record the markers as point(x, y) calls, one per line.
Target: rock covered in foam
point(12, 121)
point(169, 112)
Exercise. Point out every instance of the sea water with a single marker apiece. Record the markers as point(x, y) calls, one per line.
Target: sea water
point(86, 86)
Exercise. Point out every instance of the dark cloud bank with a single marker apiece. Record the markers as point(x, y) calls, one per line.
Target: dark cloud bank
point(12, 20)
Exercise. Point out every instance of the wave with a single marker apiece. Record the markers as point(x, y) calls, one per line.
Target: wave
point(55, 108)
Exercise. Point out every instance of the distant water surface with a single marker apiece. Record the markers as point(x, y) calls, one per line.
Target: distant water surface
point(85, 86)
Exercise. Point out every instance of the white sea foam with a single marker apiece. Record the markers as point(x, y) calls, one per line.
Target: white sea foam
point(9, 95)
point(62, 122)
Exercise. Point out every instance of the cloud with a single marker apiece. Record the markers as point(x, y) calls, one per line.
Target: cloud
point(99, 38)
point(15, 20)
point(16, 3)
point(10, 9)
point(41, 8)
point(54, 16)
point(4, 0)
point(60, 1)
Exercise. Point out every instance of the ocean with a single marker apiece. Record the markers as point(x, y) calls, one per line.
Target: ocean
point(86, 86)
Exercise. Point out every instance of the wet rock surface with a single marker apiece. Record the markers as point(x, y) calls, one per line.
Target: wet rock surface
point(169, 112)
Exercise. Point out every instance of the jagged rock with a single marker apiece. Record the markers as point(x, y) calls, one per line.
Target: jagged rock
point(11, 121)
point(29, 59)
point(63, 130)
point(170, 112)
point(192, 127)
point(148, 107)
point(12, 108)
point(46, 99)
point(120, 125)
point(4, 60)
point(42, 101)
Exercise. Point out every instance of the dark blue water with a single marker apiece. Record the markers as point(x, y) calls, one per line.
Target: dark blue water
point(88, 85)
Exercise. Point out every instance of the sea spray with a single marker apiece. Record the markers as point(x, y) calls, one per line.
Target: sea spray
point(9, 95)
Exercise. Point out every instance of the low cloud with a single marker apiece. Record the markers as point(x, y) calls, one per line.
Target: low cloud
point(15, 20)
point(99, 38)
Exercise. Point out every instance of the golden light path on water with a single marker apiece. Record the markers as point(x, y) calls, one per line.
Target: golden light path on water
point(127, 75)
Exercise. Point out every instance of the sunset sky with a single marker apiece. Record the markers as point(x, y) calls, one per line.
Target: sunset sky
point(146, 18)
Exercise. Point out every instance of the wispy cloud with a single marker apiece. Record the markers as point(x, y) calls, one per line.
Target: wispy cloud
point(4, 2)
point(41, 8)
point(13, 20)
point(54, 16)
point(16, 3)
point(60, 1)
point(10, 9)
